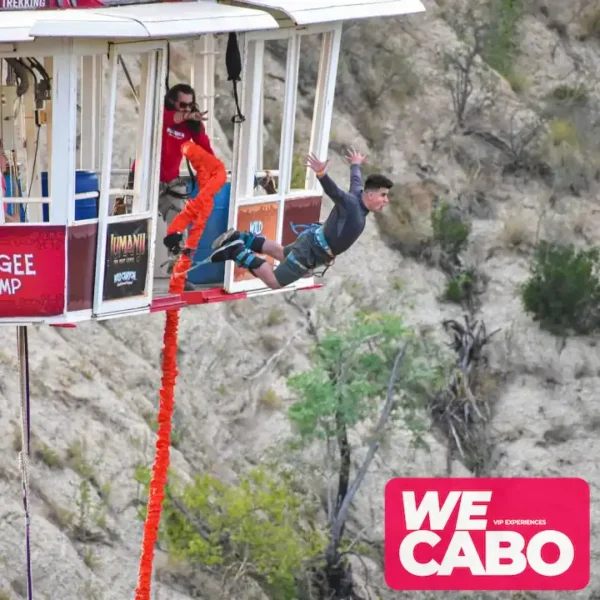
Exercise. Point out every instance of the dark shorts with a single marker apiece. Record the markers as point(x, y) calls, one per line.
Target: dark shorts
point(301, 257)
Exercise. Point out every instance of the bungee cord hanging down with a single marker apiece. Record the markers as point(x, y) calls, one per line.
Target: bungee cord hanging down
point(211, 176)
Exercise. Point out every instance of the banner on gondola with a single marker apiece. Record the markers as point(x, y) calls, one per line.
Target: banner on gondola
point(32, 271)
point(126, 266)
point(72, 4)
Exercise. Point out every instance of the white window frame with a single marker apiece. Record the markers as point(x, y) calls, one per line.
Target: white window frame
point(247, 139)
point(146, 185)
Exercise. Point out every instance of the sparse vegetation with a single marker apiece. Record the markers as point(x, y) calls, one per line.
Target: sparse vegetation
point(374, 371)
point(590, 23)
point(40, 450)
point(487, 31)
point(260, 528)
point(90, 559)
point(268, 527)
point(563, 291)
point(500, 43)
point(76, 456)
point(47, 455)
point(369, 83)
point(516, 233)
point(450, 230)
point(571, 147)
point(270, 399)
point(571, 95)
point(561, 131)
point(276, 316)
point(461, 287)
point(463, 409)
point(451, 236)
point(91, 514)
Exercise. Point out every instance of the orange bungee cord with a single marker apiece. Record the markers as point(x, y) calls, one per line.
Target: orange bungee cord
point(211, 176)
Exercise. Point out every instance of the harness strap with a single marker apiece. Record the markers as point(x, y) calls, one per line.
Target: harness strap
point(24, 454)
point(306, 227)
point(317, 229)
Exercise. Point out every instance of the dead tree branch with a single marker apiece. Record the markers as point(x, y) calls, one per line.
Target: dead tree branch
point(342, 514)
point(458, 411)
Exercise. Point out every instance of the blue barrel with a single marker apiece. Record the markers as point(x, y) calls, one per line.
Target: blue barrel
point(86, 208)
point(215, 226)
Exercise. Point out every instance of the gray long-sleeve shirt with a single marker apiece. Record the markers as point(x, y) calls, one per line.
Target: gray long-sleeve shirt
point(347, 220)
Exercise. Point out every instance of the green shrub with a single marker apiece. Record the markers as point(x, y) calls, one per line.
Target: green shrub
point(461, 287)
point(563, 291)
point(449, 229)
point(262, 527)
point(501, 45)
point(570, 94)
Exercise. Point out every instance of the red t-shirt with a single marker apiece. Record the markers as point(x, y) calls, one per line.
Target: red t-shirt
point(173, 137)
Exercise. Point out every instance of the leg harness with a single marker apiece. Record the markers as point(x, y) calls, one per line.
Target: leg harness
point(317, 230)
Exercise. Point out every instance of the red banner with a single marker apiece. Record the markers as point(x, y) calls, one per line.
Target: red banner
point(32, 270)
point(70, 4)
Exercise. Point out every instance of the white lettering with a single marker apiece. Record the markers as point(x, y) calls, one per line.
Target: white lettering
point(462, 542)
point(565, 549)
point(494, 553)
point(468, 510)
point(13, 264)
point(438, 517)
point(407, 553)
point(506, 552)
point(125, 277)
point(9, 286)
point(23, 4)
point(430, 506)
point(177, 134)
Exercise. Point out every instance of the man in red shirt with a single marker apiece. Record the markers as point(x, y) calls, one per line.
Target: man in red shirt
point(182, 121)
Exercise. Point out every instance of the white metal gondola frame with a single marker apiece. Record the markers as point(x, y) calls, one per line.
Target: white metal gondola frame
point(248, 134)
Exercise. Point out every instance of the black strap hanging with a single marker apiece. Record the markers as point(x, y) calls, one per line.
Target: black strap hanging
point(233, 61)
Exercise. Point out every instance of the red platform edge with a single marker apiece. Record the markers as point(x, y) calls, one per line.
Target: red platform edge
point(195, 298)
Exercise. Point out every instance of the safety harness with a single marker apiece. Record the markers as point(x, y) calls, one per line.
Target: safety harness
point(317, 230)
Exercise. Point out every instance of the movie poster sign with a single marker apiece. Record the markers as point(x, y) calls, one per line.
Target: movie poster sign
point(126, 266)
point(260, 219)
point(32, 271)
point(7, 5)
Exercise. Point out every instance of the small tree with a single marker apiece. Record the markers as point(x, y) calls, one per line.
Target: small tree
point(260, 528)
point(563, 291)
point(375, 358)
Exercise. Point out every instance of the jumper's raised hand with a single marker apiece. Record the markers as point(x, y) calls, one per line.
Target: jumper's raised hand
point(355, 158)
point(315, 164)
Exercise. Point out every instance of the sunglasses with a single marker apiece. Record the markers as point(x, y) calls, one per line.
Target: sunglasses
point(186, 104)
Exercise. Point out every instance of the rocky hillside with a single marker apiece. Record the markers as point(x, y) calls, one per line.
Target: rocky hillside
point(495, 116)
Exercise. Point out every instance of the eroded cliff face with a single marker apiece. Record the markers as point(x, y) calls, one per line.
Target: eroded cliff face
point(95, 388)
